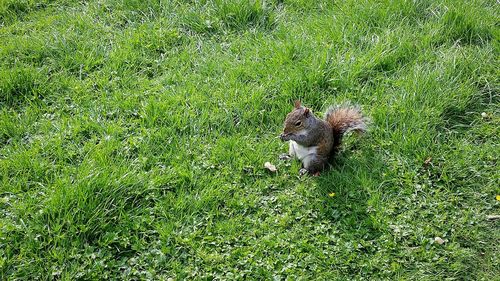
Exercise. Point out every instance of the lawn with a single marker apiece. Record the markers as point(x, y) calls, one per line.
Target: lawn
point(133, 137)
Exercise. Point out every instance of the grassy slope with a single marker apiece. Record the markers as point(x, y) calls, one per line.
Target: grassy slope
point(133, 137)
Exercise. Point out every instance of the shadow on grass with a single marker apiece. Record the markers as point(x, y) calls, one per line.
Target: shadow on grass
point(350, 192)
point(461, 115)
point(217, 16)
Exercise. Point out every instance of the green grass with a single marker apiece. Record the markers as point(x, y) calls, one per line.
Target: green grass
point(133, 136)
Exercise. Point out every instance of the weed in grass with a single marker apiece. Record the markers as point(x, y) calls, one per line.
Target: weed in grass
point(20, 85)
point(219, 15)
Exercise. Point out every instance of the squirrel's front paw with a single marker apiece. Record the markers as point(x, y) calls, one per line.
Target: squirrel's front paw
point(284, 157)
point(285, 137)
point(303, 172)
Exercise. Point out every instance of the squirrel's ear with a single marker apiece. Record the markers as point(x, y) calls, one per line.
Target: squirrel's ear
point(297, 104)
point(306, 112)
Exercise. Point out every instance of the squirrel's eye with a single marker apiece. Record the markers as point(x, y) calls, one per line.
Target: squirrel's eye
point(298, 123)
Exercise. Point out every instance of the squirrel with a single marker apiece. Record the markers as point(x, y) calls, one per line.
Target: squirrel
point(313, 140)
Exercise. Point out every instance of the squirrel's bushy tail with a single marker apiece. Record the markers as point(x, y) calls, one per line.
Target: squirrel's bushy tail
point(345, 118)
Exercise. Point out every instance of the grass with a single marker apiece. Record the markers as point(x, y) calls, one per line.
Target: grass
point(133, 136)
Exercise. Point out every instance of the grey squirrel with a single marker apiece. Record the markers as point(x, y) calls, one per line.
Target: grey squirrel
point(313, 140)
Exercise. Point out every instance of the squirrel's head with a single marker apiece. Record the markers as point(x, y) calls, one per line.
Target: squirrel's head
point(298, 119)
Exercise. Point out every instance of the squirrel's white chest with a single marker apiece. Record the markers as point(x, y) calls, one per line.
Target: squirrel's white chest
point(303, 153)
